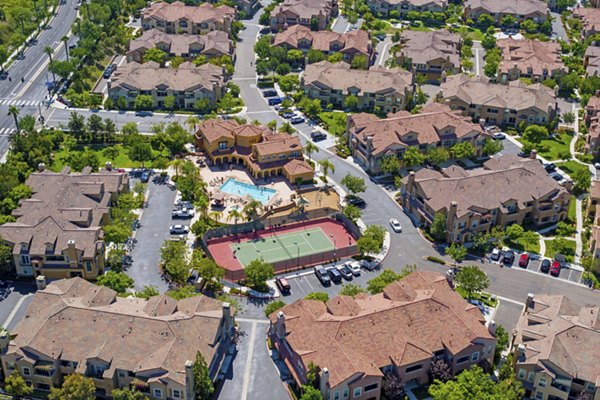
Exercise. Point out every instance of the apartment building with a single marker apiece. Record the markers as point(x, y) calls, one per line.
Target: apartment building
point(555, 348)
point(356, 341)
point(187, 83)
point(178, 18)
point(372, 139)
point(349, 44)
point(73, 326)
point(531, 59)
point(521, 10)
point(263, 152)
point(508, 104)
point(590, 19)
point(315, 14)
point(430, 53)
point(403, 7)
point(507, 190)
point(58, 231)
point(591, 61)
point(377, 89)
point(592, 109)
point(214, 44)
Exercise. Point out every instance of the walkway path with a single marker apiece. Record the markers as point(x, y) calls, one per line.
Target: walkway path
point(578, 241)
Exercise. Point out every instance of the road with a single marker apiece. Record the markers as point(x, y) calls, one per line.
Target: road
point(32, 68)
point(341, 25)
point(383, 51)
point(478, 61)
point(557, 27)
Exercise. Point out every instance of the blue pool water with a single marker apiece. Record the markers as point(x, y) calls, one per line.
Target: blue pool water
point(242, 189)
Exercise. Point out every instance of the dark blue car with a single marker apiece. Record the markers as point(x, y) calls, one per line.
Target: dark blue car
point(274, 100)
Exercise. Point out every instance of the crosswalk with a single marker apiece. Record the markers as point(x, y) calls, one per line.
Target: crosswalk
point(9, 102)
point(6, 131)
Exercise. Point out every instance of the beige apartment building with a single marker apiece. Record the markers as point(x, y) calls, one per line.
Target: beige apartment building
point(497, 104)
point(356, 341)
point(556, 352)
point(521, 10)
point(310, 13)
point(372, 139)
point(377, 89)
point(73, 326)
point(590, 19)
point(531, 59)
point(178, 18)
point(403, 7)
point(507, 190)
point(187, 83)
point(58, 231)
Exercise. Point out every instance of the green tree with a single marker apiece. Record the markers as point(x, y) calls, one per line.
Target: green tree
point(314, 56)
point(508, 21)
point(371, 241)
point(377, 284)
point(488, 42)
point(170, 102)
point(582, 180)
point(173, 261)
point(354, 184)
point(529, 26)
point(474, 384)
point(310, 393)
point(335, 58)
point(144, 102)
point(14, 111)
point(273, 306)
point(312, 108)
point(140, 151)
point(208, 270)
point(147, 292)
point(390, 165)
point(116, 232)
point(310, 148)
point(485, 20)
point(502, 342)
point(258, 272)
point(351, 102)
point(117, 281)
point(352, 212)
point(535, 133)
point(472, 279)
point(457, 252)
point(437, 155)
point(74, 387)
point(360, 62)
point(319, 296)
point(514, 232)
point(491, 147)
point(351, 289)
point(294, 56)
point(326, 166)
point(15, 385)
point(6, 260)
point(438, 227)
point(412, 157)
point(203, 386)
point(462, 150)
point(289, 83)
point(128, 394)
point(177, 61)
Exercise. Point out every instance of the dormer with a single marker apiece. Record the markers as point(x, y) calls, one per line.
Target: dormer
point(49, 248)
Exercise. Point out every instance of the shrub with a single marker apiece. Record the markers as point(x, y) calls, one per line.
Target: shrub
point(436, 260)
point(273, 306)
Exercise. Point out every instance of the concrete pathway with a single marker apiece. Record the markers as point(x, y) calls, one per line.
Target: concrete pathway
point(578, 241)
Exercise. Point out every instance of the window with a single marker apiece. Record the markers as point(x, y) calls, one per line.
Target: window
point(412, 369)
point(336, 396)
point(542, 382)
point(531, 376)
point(157, 393)
point(176, 393)
point(539, 395)
point(463, 359)
point(25, 259)
point(10, 365)
point(122, 374)
point(357, 392)
point(222, 145)
point(475, 356)
point(88, 266)
point(346, 393)
point(26, 371)
point(522, 373)
point(368, 388)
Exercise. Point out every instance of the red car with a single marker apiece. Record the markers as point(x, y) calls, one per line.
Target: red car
point(555, 268)
point(524, 260)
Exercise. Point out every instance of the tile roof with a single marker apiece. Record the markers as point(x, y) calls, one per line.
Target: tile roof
point(358, 40)
point(436, 122)
point(408, 322)
point(148, 76)
point(590, 18)
point(516, 95)
point(339, 76)
point(285, 144)
point(177, 10)
point(304, 8)
point(130, 333)
point(295, 167)
point(423, 47)
point(592, 57)
point(216, 42)
point(530, 54)
point(555, 330)
point(519, 7)
point(419, 3)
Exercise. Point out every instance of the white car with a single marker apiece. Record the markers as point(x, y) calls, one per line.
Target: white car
point(499, 135)
point(184, 213)
point(354, 267)
point(179, 230)
point(395, 225)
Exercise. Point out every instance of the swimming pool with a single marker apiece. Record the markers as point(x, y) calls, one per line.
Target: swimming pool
point(260, 193)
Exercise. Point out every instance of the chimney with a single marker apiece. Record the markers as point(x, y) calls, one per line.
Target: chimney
point(530, 303)
point(482, 122)
point(40, 281)
point(228, 325)
point(324, 383)
point(189, 379)
point(280, 326)
point(492, 327)
point(71, 244)
point(450, 216)
point(410, 183)
point(369, 144)
point(41, 167)
point(520, 353)
point(533, 154)
point(556, 90)
point(597, 93)
point(4, 341)
point(108, 166)
point(444, 76)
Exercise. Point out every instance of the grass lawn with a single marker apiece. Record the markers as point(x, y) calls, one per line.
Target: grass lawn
point(473, 33)
point(485, 298)
point(551, 252)
point(334, 121)
point(555, 146)
point(121, 161)
point(529, 247)
point(573, 210)
point(572, 166)
point(420, 28)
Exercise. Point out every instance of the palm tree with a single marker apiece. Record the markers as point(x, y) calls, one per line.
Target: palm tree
point(251, 209)
point(327, 166)
point(215, 215)
point(65, 40)
point(49, 50)
point(202, 204)
point(192, 121)
point(177, 163)
point(14, 111)
point(235, 215)
point(310, 148)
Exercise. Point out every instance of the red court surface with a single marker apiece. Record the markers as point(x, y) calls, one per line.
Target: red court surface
point(222, 252)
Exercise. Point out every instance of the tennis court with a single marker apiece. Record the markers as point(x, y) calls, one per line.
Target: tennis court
point(283, 246)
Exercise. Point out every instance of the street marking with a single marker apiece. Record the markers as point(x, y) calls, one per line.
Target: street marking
point(248, 368)
point(11, 316)
point(253, 320)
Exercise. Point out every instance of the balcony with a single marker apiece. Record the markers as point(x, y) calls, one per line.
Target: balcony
point(562, 384)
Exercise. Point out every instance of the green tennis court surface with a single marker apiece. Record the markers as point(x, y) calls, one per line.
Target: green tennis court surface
point(283, 247)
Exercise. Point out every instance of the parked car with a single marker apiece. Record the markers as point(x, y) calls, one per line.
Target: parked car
point(145, 177)
point(274, 100)
point(269, 93)
point(322, 275)
point(523, 154)
point(184, 213)
point(335, 275)
point(355, 201)
point(555, 268)
point(545, 267)
point(179, 230)
point(297, 120)
point(288, 115)
point(597, 165)
point(395, 224)
point(354, 267)
point(556, 176)
point(496, 254)
point(345, 271)
point(109, 70)
point(369, 265)
point(283, 285)
point(317, 136)
point(509, 257)
point(550, 167)
point(524, 260)
point(499, 135)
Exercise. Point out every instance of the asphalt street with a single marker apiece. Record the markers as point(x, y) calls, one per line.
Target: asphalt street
point(383, 51)
point(15, 297)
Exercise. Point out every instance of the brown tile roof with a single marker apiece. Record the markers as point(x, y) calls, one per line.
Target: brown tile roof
point(304, 8)
point(268, 147)
point(516, 95)
point(518, 7)
point(411, 320)
point(419, 3)
point(176, 11)
point(215, 42)
point(555, 330)
point(592, 59)
point(523, 180)
point(295, 167)
point(148, 76)
point(339, 76)
point(590, 18)
point(435, 123)
point(423, 47)
point(530, 54)
point(214, 129)
point(133, 334)
point(358, 40)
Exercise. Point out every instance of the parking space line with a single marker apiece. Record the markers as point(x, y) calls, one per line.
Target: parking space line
point(309, 284)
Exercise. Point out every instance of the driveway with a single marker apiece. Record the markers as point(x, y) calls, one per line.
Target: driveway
point(383, 51)
point(15, 298)
point(341, 25)
point(478, 58)
point(154, 230)
point(557, 27)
